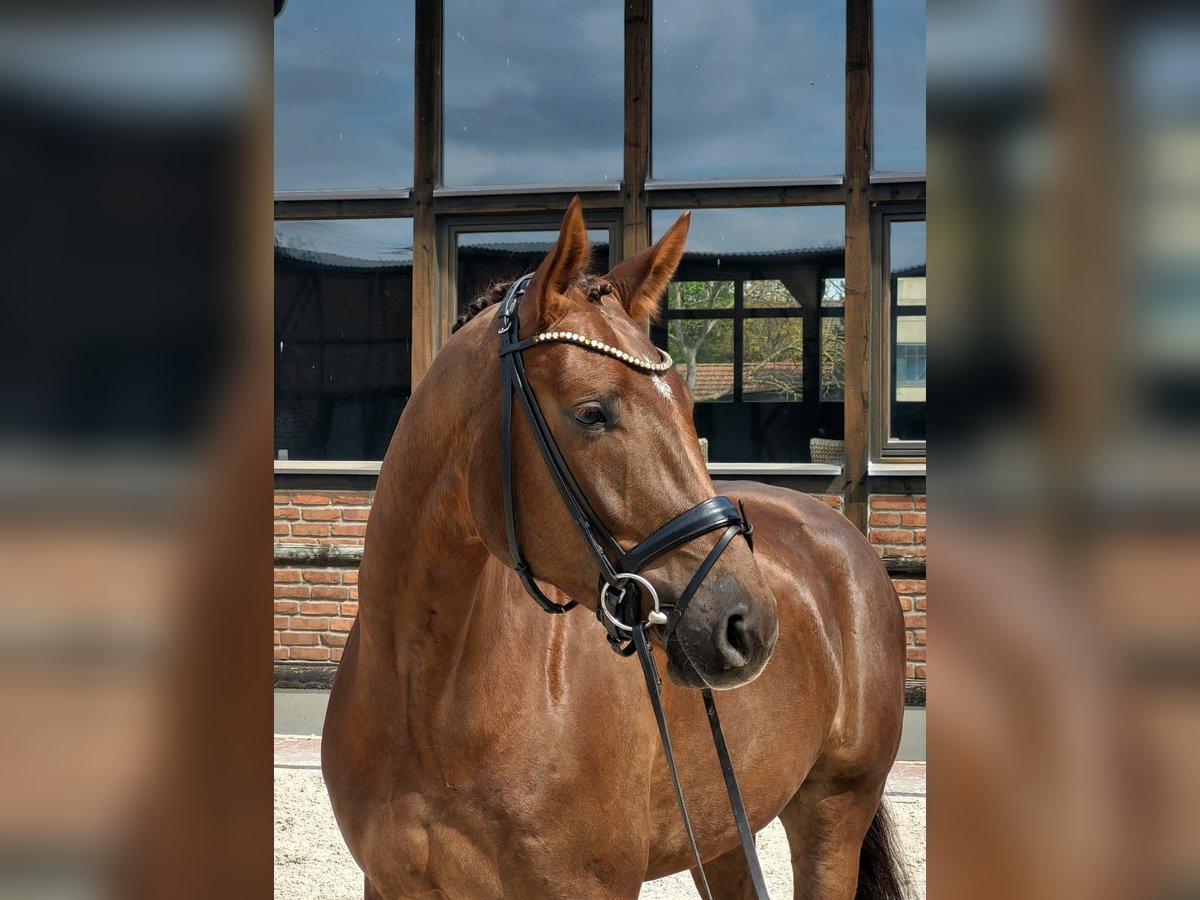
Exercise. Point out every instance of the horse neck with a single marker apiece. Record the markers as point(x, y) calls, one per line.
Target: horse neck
point(423, 558)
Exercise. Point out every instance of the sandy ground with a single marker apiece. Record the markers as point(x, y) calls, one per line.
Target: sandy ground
point(312, 863)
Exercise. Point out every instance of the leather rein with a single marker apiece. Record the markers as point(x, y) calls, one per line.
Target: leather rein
point(620, 604)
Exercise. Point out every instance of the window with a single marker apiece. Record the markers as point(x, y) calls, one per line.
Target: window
point(533, 92)
point(343, 95)
point(904, 326)
point(752, 321)
point(748, 91)
point(343, 336)
point(899, 109)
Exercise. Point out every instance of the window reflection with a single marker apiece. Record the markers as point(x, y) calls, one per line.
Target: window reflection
point(343, 95)
point(343, 328)
point(756, 91)
point(534, 92)
point(748, 323)
point(907, 304)
point(899, 80)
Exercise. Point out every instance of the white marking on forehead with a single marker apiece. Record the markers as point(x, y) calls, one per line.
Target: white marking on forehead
point(660, 385)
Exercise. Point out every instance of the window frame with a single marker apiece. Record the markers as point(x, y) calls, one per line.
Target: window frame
point(884, 448)
point(623, 205)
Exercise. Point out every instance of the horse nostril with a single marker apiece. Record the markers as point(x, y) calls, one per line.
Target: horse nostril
point(733, 642)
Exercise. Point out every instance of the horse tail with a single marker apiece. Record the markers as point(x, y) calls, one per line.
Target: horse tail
point(880, 869)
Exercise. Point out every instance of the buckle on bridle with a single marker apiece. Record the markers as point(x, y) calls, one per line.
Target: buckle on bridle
point(655, 617)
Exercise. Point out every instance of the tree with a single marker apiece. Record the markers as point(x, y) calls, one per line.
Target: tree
point(689, 336)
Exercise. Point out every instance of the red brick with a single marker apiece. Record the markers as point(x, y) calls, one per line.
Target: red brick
point(322, 576)
point(326, 592)
point(336, 654)
point(319, 608)
point(341, 624)
point(282, 653)
point(913, 519)
point(921, 502)
point(891, 536)
point(352, 497)
point(280, 622)
point(316, 654)
point(309, 530)
point(831, 500)
point(332, 639)
point(919, 536)
point(914, 620)
point(286, 512)
point(356, 515)
point(286, 575)
point(919, 671)
point(350, 608)
point(350, 576)
point(287, 607)
point(344, 541)
point(354, 592)
point(310, 498)
point(909, 670)
point(281, 529)
point(882, 502)
point(908, 586)
point(321, 514)
point(884, 518)
point(906, 603)
point(292, 639)
point(306, 623)
point(919, 638)
point(916, 654)
point(349, 530)
point(292, 590)
point(898, 552)
point(282, 498)
point(920, 604)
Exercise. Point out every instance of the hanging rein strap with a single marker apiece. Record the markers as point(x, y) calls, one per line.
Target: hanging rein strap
point(627, 632)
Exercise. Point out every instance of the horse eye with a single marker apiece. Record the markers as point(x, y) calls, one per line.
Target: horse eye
point(593, 414)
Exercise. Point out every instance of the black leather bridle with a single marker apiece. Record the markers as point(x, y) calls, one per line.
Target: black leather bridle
point(620, 605)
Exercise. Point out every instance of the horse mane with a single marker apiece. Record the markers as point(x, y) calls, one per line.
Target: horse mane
point(593, 287)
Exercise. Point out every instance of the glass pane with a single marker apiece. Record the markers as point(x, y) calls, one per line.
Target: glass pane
point(534, 92)
point(774, 294)
point(343, 95)
point(773, 360)
point(343, 336)
point(488, 257)
point(700, 295)
point(899, 114)
point(703, 354)
point(834, 292)
point(752, 91)
point(833, 359)
point(907, 290)
point(783, 259)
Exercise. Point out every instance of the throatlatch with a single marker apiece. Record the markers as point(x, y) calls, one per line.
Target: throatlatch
point(620, 601)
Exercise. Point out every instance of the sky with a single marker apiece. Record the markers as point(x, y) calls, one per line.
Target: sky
point(534, 91)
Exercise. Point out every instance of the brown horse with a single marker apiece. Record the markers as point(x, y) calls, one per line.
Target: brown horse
point(476, 747)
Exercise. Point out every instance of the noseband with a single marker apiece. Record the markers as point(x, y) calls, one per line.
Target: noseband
point(620, 604)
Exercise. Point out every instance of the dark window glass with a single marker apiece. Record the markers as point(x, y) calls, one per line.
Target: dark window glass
point(343, 336)
point(753, 321)
point(748, 91)
point(534, 92)
point(343, 95)
point(906, 304)
point(899, 77)
point(486, 257)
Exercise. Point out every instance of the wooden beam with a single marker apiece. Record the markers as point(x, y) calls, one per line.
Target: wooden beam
point(749, 194)
point(427, 174)
point(858, 256)
point(534, 201)
point(898, 191)
point(637, 127)
point(343, 208)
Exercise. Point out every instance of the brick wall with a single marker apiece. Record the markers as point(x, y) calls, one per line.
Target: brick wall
point(896, 528)
point(315, 606)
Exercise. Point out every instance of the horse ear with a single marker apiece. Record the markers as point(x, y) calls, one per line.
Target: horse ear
point(641, 279)
point(564, 263)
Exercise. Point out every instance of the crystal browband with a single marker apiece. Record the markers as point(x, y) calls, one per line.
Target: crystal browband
point(587, 343)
